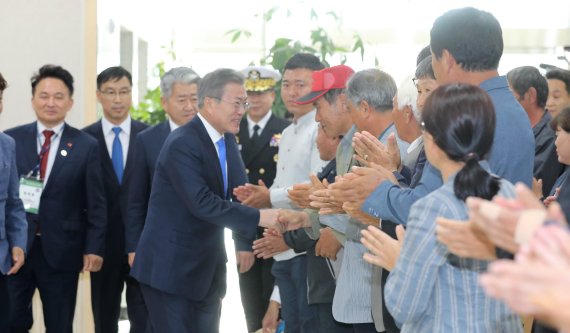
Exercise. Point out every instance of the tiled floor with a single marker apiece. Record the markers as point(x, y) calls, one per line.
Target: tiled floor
point(233, 320)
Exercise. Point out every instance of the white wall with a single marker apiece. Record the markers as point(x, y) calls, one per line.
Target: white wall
point(38, 32)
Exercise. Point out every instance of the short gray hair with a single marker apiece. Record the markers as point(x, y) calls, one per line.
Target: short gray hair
point(214, 83)
point(374, 86)
point(183, 75)
point(408, 96)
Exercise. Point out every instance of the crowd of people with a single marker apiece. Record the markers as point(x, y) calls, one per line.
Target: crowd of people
point(436, 205)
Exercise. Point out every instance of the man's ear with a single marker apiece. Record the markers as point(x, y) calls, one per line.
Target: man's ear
point(531, 95)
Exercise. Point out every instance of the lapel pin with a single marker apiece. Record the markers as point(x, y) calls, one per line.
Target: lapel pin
point(69, 144)
point(63, 152)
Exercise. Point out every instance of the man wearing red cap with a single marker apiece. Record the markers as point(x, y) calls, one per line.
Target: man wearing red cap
point(367, 103)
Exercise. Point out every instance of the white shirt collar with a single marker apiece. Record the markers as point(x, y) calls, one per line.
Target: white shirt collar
point(307, 118)
point(172, 124)
point(418, 141)
point(57, 128)
point(261, 123)
point(108, 126)
point(212, 132)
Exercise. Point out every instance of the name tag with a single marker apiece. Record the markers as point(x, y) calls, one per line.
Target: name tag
point(30, 193)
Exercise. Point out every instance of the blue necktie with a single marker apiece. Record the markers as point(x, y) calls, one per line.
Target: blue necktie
point(222, 157)
point(117, 155)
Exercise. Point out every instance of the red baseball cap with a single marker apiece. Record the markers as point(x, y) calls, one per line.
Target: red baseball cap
point(326, 79)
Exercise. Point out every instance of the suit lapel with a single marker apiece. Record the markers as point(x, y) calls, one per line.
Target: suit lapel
point(65, 145)
point(135, 129)
point(210, 151)
point(263, 141)
point(31, 148)
point(344, 159)
point(105, 156)
point(243, 136)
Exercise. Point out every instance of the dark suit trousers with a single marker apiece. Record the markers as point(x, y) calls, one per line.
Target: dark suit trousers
point(58, 292)
point(4, 304)
point(106, 289)
point(256, 286)
point(175, 313)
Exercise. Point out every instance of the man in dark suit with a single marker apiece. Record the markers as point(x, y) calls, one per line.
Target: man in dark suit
point(179, 89)
point(181, 255)
point(66, 228)
point(258, 136)
point(13, 225)
point(115, 133)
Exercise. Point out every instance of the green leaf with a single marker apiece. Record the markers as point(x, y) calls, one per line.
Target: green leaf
point(269, 14)
point(236, 36)
point(314, 14)
point(333, 15)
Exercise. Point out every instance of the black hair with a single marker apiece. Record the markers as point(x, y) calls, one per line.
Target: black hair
point(562, 120)
point(3, 83)
point(213, 85)
point(461, 119)
point(331, 95)
point(54, 72)
point(424, 53)
point(424, 69)
point(560, 74)
point(113, 74)
point(521, 79)
point(474, 38)
point(305, 61)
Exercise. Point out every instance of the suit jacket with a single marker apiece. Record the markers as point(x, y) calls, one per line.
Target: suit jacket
point(181, 250)
point(13, 225)
point(147, 147)
point(72, 207)
point(259, 158)
point(115, 193)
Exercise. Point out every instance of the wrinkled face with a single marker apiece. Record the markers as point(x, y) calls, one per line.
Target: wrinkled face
point(425, 87)
point(229, 109)
point(116, 99)
point(356, 114)
point(260, 103)
point(51, 101)
point(563, 146)
point(331, 117)
point(182, 105)
point(326, 145)
point(296, 84)
point(558, 97)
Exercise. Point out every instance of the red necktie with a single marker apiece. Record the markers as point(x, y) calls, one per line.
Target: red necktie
point(44, 152)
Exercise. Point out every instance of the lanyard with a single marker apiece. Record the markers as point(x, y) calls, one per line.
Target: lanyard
point(43, 150)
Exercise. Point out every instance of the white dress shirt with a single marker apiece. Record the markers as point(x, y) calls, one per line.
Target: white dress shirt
point(124, 136)
point(54, 146)
point(173, 125)
point(215, 136)
point(262, 122)
point(298, 157)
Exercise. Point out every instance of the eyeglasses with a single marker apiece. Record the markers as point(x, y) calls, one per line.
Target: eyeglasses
point(113, 94)
point(237, 104)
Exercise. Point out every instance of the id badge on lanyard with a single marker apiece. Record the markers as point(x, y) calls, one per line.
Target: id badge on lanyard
point(30, 192)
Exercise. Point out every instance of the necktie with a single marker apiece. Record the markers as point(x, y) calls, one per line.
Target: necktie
point(222, 157)
point(44, 152)
point(117, 155)
point(255, 135)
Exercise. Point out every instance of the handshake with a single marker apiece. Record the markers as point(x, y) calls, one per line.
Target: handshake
point(283, 220)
